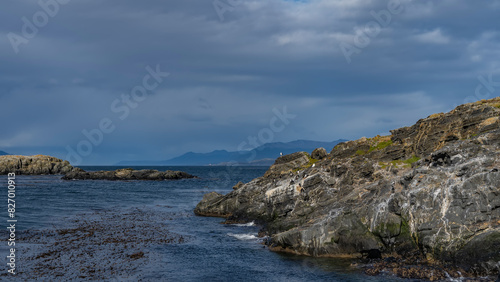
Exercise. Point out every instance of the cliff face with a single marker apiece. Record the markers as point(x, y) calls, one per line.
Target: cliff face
point(432, 188)
point(33, 165)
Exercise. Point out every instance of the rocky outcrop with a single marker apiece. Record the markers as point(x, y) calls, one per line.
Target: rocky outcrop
point(33, 165)
point(46, 165)
point(432, 189)
point(126, 174)
point(319, 153)
point(238, 185)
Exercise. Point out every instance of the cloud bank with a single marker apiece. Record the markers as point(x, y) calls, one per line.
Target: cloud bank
point(227, 76)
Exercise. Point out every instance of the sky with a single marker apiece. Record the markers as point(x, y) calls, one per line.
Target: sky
point(97, 82)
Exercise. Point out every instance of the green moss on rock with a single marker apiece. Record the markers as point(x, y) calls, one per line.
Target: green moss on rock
point(380, 146)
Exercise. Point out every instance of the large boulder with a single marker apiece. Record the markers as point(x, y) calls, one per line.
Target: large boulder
point(319, 153)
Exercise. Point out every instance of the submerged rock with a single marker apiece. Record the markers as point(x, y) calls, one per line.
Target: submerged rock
point(431, 189)
point(33, 165)
point(97, 246)
point(127, 174)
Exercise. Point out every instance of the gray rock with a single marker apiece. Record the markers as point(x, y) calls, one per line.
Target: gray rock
point(432, 189)
point(288, 164)
point(319, 153)
point(238, 185)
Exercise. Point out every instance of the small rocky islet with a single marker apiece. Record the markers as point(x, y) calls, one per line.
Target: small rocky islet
point(33, 165)
point(46, 165)
point(127, 174)
point(423, 202)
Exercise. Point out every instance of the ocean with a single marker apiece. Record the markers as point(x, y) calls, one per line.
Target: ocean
point(146, 230)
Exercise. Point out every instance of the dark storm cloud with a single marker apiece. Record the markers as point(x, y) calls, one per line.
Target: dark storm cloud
point(227, 76)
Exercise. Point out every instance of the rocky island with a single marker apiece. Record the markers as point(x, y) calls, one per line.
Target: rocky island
point(127, 174)
point(47, 165)
point(33, 165)
point(426, 199)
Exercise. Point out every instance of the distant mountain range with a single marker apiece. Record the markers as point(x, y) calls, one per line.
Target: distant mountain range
point(2, 153)
point(261, 156)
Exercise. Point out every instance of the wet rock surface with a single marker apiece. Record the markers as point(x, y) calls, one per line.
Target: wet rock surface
point(127, 174)
point(430, 191)
point(105, 245)
point(33, 165)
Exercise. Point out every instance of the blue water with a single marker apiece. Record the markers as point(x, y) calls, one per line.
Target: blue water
point(213, 252)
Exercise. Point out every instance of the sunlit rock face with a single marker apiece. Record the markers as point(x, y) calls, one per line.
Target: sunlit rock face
point(432, 188)
point(33, 165)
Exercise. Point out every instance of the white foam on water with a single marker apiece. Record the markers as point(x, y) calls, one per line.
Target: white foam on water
point(245, 224)
point(243, 236)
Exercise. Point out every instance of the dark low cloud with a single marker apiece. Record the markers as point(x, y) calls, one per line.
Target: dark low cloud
point(226, 77)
